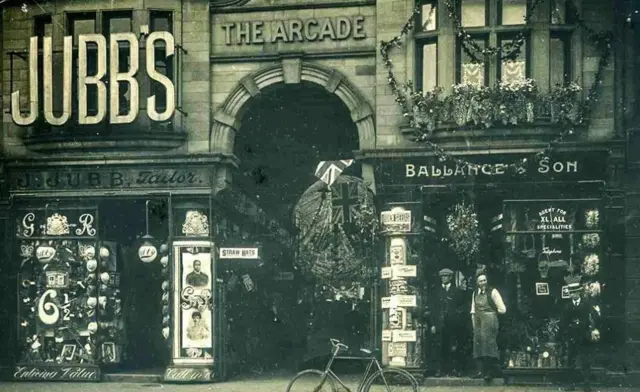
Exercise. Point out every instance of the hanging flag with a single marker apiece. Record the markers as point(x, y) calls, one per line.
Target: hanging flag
point(344, 203)
point(329, 171)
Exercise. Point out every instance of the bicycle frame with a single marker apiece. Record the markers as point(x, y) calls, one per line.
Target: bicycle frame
point(329, 373)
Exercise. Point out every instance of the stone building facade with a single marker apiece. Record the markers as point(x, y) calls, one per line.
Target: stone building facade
point(231, 55)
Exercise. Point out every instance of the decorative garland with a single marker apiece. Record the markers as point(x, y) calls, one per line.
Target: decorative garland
point(337, 254)
point(463, 232)
point(602, 40)
point(506, 52)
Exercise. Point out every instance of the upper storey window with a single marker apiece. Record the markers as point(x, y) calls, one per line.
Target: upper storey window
point(472, 31)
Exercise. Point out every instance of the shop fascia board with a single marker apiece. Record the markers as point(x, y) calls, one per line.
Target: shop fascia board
point(106, 160)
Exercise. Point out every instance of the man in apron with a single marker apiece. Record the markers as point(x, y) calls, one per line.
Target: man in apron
point(486, 304)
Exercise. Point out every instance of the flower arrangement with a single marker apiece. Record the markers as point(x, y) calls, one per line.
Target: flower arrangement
point(592, 218)
point(592, 289)
point(551, 329)
point(515, 101)
point(510, 103)
point(591, 240)
point(565, 104)
point(591, 265)
point(463, 232)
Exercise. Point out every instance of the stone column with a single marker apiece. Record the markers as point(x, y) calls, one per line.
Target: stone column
point(401, 334)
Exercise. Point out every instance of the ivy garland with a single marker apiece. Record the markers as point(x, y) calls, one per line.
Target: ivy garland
point(510, 50)
point(601, 40)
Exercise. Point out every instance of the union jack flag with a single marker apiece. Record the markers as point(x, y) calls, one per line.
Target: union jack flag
point(329, 171)
point(344, 203)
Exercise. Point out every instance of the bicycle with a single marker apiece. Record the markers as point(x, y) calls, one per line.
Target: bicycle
point(328, 378)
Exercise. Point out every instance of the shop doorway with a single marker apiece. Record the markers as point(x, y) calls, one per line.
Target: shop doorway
point(123, 223)
point(286, 131)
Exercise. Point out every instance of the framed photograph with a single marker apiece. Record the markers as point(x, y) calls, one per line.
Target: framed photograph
point(542, 288)
point(565, 292)
point(68, 352)
point(108, 352)
point(193, 277)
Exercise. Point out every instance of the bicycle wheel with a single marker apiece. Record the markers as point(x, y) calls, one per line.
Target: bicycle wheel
point(391, 380)
point(309, 381)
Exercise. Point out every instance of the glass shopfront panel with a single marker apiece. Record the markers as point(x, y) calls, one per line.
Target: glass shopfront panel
point(548, 245)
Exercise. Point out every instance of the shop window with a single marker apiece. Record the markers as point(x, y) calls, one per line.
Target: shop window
point(512, 12)
point(120, 22)
point(468, 70)
point(161, 21)
point(548, 245)
point(559, 58)
point(513, 69)
point(77, 24)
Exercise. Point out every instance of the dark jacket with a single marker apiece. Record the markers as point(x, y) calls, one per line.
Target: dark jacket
point(577, 322)
point(445, 304)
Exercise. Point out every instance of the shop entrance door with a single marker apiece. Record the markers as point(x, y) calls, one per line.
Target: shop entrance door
point(125, 221)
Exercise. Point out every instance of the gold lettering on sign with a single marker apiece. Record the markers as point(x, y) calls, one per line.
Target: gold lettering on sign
point(294, 30)
point(66, 82)
point(158, 77)
point(90, 47)
point(127, 76)
point(84, 80)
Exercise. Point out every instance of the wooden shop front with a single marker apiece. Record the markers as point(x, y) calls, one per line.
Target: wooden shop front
point(533, 229)
point(116, 268)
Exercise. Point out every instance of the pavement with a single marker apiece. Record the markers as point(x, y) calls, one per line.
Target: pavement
point(275, 384)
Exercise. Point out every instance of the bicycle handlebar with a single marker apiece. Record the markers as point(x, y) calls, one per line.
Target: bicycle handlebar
point(336, 343)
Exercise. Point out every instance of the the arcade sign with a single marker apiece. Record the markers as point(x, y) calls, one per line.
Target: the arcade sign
point(96, 43)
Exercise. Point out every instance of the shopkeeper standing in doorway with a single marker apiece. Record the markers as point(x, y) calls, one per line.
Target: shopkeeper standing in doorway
point(486, 304)
point(446, 307)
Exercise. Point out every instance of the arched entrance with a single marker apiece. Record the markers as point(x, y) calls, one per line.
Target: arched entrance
point(280, 123)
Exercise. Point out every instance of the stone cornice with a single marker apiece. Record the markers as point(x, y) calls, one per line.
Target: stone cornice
point(95, 159)
point(463, 150)
point(238, 6)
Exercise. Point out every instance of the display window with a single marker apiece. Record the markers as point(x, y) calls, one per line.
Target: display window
point(548, 245)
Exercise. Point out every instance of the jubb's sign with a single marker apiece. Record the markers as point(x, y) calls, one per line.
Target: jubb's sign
point(117, 43)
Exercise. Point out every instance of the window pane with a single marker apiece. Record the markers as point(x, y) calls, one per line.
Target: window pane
point(161, 21)
point(117, 22)
point(429, 66)
point(473, 13)
point(515, 69)
point(428, 16)
point(82, 24)
point(559, 65)
point(470, 72)
point(559, 12)
point(513, 12)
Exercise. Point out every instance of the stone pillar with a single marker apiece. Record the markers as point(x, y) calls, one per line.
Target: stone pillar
point(401, 332)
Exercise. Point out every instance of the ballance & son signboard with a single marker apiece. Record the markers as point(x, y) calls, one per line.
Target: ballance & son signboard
point(425, 171)
point(95, 43)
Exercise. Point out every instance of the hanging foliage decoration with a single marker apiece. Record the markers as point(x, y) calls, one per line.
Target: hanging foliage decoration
point(330, 250)
point(463, 232)
point(421, 110)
